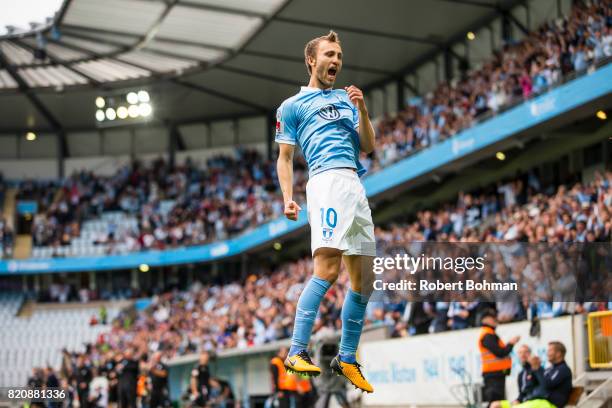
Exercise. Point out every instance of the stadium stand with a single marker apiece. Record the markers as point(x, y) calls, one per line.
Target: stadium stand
point(251, 313)
point(155, 207)
point(259, 310)
point(34, 340)
point(554, 53)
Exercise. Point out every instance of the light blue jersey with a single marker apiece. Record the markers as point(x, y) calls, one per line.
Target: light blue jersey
point(325, 124)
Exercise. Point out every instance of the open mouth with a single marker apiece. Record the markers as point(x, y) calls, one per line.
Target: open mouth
point(332, 71)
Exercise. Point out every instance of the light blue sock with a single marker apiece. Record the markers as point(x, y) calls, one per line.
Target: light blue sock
point(307, 309)
point(353, 312)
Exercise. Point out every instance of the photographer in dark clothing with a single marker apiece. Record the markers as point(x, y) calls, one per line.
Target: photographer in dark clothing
point(200, 381)
point(158, 373)
point(51, 381)
point(83, 378)
point(36, 381)
point(127, 371)
point(113, 379)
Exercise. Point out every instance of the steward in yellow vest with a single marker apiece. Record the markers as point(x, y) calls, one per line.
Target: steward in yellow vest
point(495, 358)
point(284, 384)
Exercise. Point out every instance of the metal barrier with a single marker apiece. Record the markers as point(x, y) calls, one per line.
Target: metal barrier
point(600, 339)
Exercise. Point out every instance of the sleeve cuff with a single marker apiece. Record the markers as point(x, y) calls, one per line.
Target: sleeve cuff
point(285, 141)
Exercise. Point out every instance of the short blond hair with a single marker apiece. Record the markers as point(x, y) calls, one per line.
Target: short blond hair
point(310, 50)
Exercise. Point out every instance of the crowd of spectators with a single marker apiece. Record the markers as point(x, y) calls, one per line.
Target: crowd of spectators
point(127, 361)
point(518, 210)
point(517, 72)
point(118, 378)
point(543, 221)
point(261, 308)
point(226, 196)
point(231, 194)
point(101, 377)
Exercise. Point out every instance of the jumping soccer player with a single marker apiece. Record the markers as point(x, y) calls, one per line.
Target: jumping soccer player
point(331, 126)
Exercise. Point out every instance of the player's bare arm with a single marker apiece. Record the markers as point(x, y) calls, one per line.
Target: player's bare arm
point(284, 168)
point(366, 130)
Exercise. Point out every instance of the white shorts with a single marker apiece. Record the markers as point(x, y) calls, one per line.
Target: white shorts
point(339, 213)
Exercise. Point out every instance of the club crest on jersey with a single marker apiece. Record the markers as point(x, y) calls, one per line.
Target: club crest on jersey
point(327, 234)
point(329, 112)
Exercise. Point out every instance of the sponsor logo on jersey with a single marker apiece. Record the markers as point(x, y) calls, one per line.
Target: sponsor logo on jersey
point(329, 112)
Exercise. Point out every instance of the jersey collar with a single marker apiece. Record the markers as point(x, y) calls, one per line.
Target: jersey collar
point(314, 89)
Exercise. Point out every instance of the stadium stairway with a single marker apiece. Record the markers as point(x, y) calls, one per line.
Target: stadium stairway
point(597, 386)
point(27, 309)
point(23, 246)
point(8, 209)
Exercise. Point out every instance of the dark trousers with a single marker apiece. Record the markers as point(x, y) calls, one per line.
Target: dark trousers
point(157, 400)
point(83, 397)
point(494, 387)
point(288, 400)
point(306, 400)
point(127, 396)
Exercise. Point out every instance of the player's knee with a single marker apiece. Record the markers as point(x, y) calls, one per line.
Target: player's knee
point(361, 274)
point(330, 274)
point(327, 263)
point(330, 256)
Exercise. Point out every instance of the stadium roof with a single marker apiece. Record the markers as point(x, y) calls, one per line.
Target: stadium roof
point(208, 59)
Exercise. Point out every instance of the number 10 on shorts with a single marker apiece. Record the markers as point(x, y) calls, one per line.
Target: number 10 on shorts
point(329, 219)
